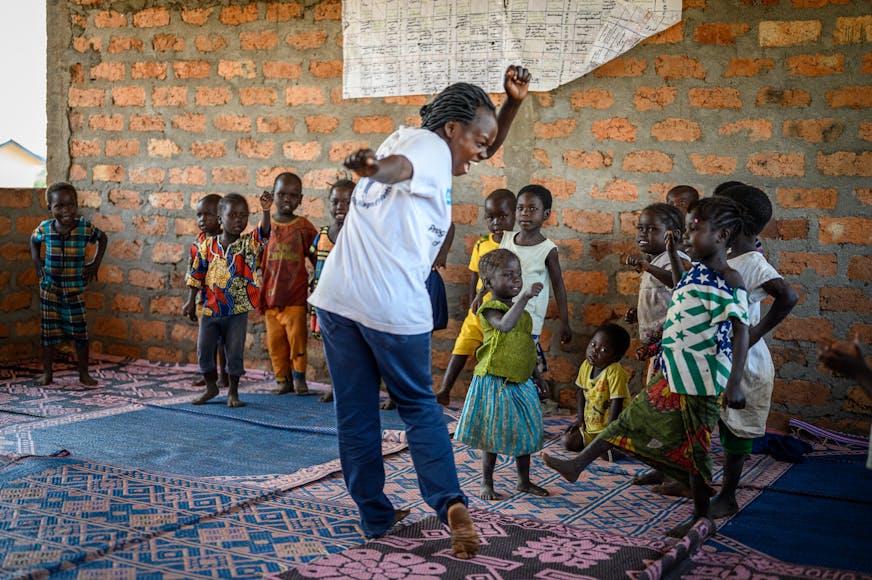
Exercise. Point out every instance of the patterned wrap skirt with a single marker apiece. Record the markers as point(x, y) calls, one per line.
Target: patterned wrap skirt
point(62, 316)
point(501, 417)
point(668, 431)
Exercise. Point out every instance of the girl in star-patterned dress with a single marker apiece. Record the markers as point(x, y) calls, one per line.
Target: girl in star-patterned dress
point(705, 344)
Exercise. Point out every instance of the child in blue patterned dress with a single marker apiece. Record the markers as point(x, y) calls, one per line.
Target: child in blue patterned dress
point(502, 413)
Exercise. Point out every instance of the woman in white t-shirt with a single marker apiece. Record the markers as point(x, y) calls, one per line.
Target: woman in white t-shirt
point(373, 307)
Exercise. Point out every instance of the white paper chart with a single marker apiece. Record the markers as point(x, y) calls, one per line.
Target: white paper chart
point(413, 47)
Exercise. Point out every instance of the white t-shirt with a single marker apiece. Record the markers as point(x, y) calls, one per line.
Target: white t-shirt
point(384, 252)
point(533, 269)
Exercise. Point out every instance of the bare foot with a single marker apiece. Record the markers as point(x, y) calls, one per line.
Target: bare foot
point(45, 380)
point(650, 478)
point(284, 387)
point(201, 382)
point(528, 487)
point(487, 492)
point(87, 380)
point(300, 386)
point(443, 397)
point(464, 538)
point(673, 488)
point(233, 401)
point(722, 507)
point(211, 393)
point(681, 531)
point(327, 397)
point(222, 381)
point(565, 467)
point(388, 405)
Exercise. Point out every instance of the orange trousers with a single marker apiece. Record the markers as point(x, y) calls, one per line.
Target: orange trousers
point(286, 335)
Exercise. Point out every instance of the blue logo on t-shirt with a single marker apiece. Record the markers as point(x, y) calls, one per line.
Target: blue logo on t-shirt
point(448, 196)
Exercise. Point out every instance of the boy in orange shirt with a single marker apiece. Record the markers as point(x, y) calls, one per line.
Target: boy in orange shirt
point(286, 284)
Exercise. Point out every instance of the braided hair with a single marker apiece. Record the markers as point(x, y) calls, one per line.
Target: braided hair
point(756, 205)
point(721, 212)
point(457, 102)
point(490, 262)
point(670, 215)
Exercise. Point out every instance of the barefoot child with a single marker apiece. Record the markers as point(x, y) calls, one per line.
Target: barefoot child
point(339, 200)
point(499, 213)
point(602, 384)
point(285, 286)
point(502, 414)
point(739, 427)
point(539, 261)
point(224, 275)
point(669, 425)
point(63, 275)
point(207, 221)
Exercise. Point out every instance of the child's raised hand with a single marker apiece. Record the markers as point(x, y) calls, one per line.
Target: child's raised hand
point(671, 239)
point(534, 290)
point(516, 82)
point(362, 162)
point(266, 200)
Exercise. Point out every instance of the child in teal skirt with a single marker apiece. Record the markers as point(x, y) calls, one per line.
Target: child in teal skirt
point(502, 413)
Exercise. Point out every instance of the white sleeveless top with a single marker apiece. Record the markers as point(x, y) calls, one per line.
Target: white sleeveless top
point(533, 270)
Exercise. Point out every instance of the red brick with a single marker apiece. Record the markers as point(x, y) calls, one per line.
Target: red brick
point(541, 156)
point(464, 213)
point(283, 70)
point(851, 97)
point(208, 149)
point(795, 263)
point(864, 195)
point(170, 305)
point(410, 100)
point(373, 124)
point(253, 149)
point(124, 44)
point(319, 179)
point(321, 123)
point(570, 249)
point(257, 96)
point(773, 164)
point(84, 44)
point(167, 43)
point(755, 129)
point(326, 69)
point(169, 96)
point(108, 223)
point(719, 33)
point(304, 96)
point(275, 124)
point(266, 177)
point(238, 123)
point(628, 282)
point(674, 67)
point(715, 98)
point(788, 33)
point(110, 327)
point(166, 200)
point(866, 67)
point(558, 129)
point(616, 129)
point(151, 18)
point(146, 175)
point(713, 164)
point(191, 69)
point(582, 159)
point(853, 30)
point(108, 173)
point(85, 97)
point(306, 40)
point(126, 303)
point(230, 69)
point(748, 67)
point(672, 35)
point(860, 268)
point(559, 188)
point(589, 222)
point(12, 301)
point(184, 333)
point(148, 70)
point(616, 190)
point(167, 253)
point(817, 3)
point(151, 225)
point(146, 123)
point(283, 11)
point(591, 99)
point(128, 96)
point(586, 282)
point(807, 198)
point(230, 175)
point(109, 19)
point(164, 148)
point(210, 42)
point(807, 329)
point(622, 67)
point(234, 15)
point(328, 10)
point(845, 230)
point(845, 300)
point(676, 130)
point(161, 354)
point(210, 96)
point(266, 40)
point(108, 71)
point(816, 65)
point(845, 163)
point(191, 122)
point(122, 148)
point(106, 122)
point(124, 198)
point(653, 98)
point(803, 393)
point(188, 175)
point(813, 130)
point(339, 150)
point(77, 173)
point(647, 162)
point(143, 279)
point(196, 16)
point(26, 224)
point(783, 97)
point(85, 148)
point(492, 182)
point(151, 330)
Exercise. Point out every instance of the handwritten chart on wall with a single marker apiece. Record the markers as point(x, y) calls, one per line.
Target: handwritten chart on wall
point(413, 47)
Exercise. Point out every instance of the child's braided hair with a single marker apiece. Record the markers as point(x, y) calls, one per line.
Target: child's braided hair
point(458, 102)
point(491, 261)
point(756, 204)
point(671, 216)
point(721, 212)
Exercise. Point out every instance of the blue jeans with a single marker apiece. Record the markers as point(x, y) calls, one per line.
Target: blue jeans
point(358, 358)
point(232, 330)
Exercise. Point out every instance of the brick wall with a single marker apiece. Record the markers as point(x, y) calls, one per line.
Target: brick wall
point(151, 108)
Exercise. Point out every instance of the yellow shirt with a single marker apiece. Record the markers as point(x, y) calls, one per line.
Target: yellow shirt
point(482, 246)
point(599, 392)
